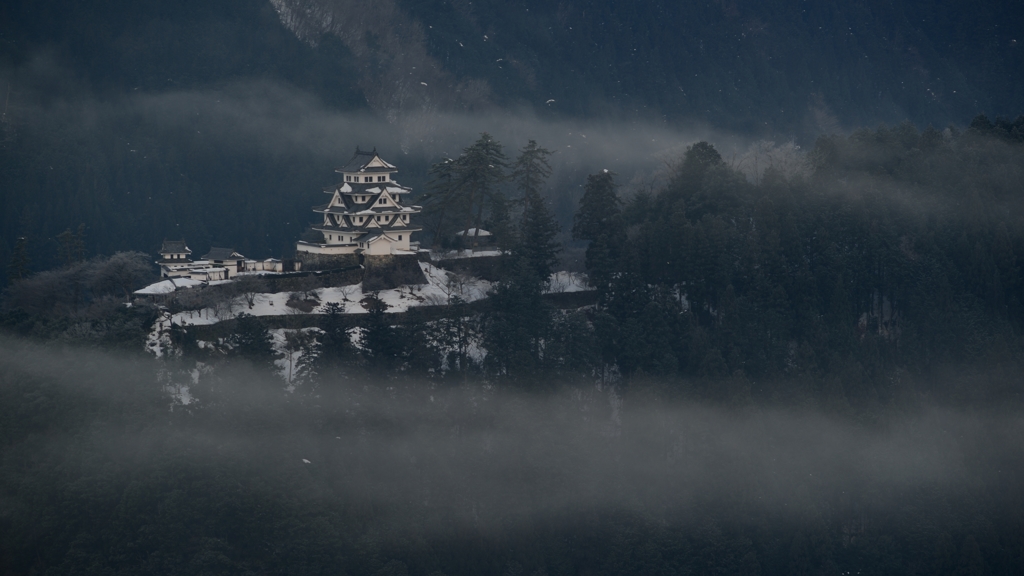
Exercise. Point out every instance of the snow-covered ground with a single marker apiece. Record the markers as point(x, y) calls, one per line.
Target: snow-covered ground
point(440, 286)
point(467, 253)
point(167, 286)
point(567, 282)
point(159, 337)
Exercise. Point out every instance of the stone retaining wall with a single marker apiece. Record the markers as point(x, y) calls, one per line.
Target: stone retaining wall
point(390, 271)
point(312, 261)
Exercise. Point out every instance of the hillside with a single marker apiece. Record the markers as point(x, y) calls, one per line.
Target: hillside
point(220, 122)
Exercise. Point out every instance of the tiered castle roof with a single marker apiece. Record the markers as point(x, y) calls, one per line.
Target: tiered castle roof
point(366, 205)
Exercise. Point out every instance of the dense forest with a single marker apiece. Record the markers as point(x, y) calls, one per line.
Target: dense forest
point(801, 371)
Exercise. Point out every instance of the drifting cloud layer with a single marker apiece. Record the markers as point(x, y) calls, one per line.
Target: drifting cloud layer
point(488, 457)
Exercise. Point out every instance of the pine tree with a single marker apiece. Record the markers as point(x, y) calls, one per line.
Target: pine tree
point(517, 325)
point(252, 342)
point(17, 269)
point(531, 169)
point(538, 228)
point(467, 187)
point(71, 245)
point(500, 224)
point(480, 173)
point(537, 231)
point(599, 208)
point(308, 367)
point(335, 346)
point(441, 197)
point(381, 345)
point(599, 221)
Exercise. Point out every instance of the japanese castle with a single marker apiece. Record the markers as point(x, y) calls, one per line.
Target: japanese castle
point(365, 214)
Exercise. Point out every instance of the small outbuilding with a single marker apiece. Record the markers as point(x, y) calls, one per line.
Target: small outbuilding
point(226, 258)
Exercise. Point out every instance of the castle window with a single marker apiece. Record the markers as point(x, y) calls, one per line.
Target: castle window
point(399, 237)
point(380, 178)
point(368, 179)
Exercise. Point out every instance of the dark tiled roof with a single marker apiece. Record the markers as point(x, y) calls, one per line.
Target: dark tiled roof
point(334, 210)
point(359, 161)
point(370, 236)
point(222, 254)
point(343, 229)
point(363, 188)
point(174, 247)
point(366, 187)
point(363, 209)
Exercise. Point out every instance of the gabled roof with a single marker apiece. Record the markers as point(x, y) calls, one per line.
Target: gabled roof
point(167, 286)
point(223, 254)
point(372, 236)
point(339, 229)
point(366, 162)
point(174, 247)
point(352, 188)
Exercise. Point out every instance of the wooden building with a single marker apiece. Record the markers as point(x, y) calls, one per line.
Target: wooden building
point(367, 213)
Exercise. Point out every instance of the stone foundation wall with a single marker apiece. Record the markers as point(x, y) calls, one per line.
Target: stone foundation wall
point(312, 261)
point(310, 282)
point(391, 271)
point(382, 272)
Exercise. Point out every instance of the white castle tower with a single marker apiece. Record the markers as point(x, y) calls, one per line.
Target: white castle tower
point(366, 214)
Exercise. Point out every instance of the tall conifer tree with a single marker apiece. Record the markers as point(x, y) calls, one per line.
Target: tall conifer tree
point(17, 269)
point(538, 228)
point(442, 195)
point(481, 170)
point(599, 221)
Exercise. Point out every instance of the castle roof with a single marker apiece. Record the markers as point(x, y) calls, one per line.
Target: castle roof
point(223, 254)
point(367, 162)
point(367, 188)
point(328, 209)
point(174, 247)
point(342, 229)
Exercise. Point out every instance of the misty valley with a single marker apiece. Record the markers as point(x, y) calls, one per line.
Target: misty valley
point(805, 370)
point(440, 288)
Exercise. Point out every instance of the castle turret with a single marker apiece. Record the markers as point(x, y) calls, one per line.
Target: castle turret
point(367, 213)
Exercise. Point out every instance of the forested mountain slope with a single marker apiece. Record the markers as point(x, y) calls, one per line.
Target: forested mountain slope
point(783, 65)
point(220, 122)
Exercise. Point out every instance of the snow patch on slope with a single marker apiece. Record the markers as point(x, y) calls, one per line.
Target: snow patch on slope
point(440, 288)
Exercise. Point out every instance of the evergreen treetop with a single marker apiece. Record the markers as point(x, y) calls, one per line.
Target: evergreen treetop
point(538, 227)
point(531, 169)
point(599, 208)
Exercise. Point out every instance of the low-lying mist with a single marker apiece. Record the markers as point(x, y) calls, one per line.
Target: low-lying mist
point(273, 119)
point(483, 457)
